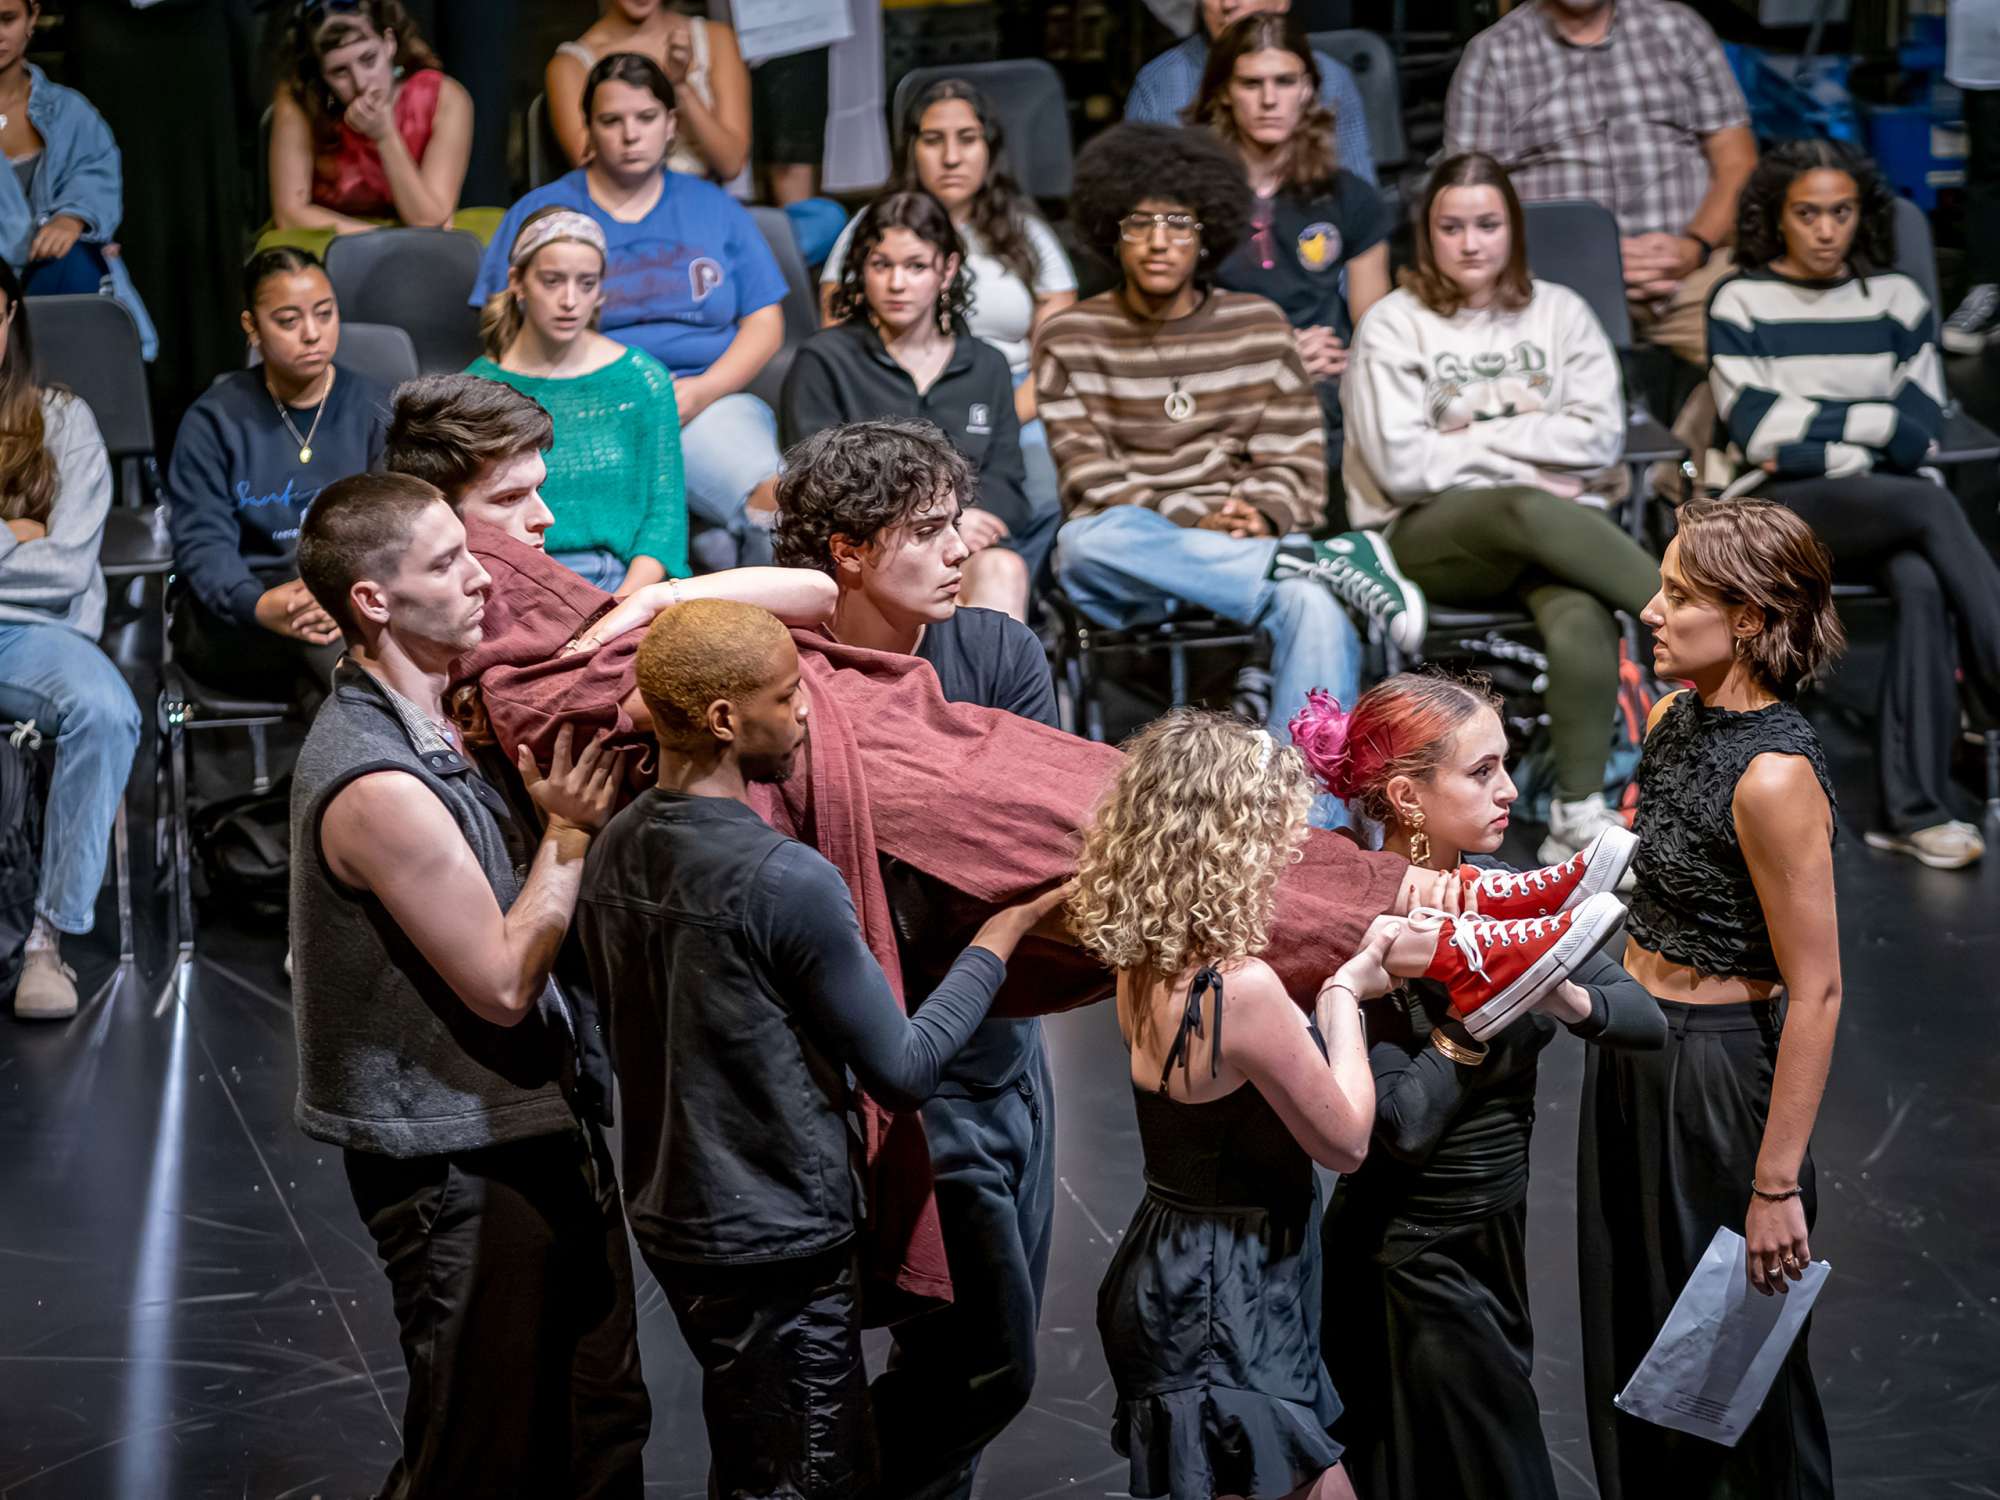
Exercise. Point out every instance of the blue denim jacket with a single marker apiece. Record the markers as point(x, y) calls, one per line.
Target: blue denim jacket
point(80, 172)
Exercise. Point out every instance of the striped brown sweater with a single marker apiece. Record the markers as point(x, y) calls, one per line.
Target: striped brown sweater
point(1102, 378)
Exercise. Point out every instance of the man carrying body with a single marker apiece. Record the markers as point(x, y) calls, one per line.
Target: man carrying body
point(742, 991)
point(434, 1048)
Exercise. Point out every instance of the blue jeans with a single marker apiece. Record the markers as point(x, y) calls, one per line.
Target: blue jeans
point(594, 565)
point(1128, 565)
point(59, 679)
point(1044, 491)
point(726, 452)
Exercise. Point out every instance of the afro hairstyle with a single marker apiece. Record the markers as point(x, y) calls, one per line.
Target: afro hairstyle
point(1128, 163)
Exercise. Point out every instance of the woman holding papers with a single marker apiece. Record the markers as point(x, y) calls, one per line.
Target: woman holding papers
point(1732, 929)
point(1426, 1244)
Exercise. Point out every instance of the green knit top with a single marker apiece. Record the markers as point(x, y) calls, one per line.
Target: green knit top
point(615, 480)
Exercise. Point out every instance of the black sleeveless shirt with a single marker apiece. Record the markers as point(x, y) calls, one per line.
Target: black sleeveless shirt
point(1694, 902)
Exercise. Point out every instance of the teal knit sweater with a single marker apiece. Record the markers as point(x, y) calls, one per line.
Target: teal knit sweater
point(615, 479)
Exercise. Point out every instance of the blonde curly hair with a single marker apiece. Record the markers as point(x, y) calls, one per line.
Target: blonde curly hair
point(1180, 863)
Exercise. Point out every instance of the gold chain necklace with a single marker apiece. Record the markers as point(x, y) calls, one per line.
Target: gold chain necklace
point(305, 443)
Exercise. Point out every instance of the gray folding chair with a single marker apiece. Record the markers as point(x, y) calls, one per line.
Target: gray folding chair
point(380, 351)
point(801, 307)
point(417, 279)
point(1367, 56)
point(1027, 94)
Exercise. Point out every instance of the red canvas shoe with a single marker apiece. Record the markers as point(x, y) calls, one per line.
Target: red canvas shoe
point(1509, 895)
point(1496, 970)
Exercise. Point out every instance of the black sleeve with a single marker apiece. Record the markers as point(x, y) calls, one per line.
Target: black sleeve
point(1003, 477)
point(1365, 217)
point(803, 918)
point(1418, 1089)
point(1026, 686)
point(1622, 1011)
point(810, 399)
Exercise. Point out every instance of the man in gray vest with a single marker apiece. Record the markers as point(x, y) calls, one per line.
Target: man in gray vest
point(434, 1047)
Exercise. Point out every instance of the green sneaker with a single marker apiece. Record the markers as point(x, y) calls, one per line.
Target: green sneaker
point(1357, 566)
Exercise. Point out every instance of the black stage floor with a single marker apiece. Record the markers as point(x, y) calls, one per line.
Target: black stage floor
point(189, 1306)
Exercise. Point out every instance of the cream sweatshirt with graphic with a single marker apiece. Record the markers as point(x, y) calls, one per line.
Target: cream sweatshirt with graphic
point(1480, 399)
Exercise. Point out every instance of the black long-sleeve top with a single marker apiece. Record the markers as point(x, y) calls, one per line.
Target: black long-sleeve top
point(1451, 1139)
point(741, 992)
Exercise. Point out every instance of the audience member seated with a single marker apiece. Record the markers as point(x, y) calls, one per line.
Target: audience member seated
point(955, 151)
point(1319, 235)
point(366, 130)
point(249, 457)
point(614, 474)
point(1631, 105)
point(1166, 87)
point(1827, 380)
point(901, 349)
point(689, 280)
point(55, 488)
point(1484, 426)
point(1185, 429)
point(699, 57)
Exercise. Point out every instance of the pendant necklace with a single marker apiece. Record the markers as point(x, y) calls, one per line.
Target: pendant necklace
point(305, 443)
point(1178, 404)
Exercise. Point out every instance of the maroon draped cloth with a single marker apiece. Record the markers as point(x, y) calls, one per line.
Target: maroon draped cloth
point(987, 803)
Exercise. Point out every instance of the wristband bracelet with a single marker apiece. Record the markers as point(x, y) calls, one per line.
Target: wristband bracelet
point(1707, 250)
point(1468, 1056)
point(1774, 1197)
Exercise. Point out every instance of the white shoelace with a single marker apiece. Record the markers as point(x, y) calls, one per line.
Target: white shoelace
point(1520, 882)
point(1474, 935)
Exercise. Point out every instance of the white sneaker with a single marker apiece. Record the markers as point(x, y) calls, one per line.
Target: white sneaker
point(47, 991)
point(1575, 826)
point(1973, 325)
point(1942, 846)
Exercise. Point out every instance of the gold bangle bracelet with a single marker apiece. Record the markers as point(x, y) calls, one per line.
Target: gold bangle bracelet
point(1470, 1057)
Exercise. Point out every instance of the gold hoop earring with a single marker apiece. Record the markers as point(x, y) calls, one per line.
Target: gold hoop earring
point(1420, 842)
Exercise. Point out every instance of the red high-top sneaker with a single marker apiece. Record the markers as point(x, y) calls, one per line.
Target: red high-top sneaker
point(1496, 970)
point(1507, 895)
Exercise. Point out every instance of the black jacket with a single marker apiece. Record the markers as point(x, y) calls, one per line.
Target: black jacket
point(843, 374)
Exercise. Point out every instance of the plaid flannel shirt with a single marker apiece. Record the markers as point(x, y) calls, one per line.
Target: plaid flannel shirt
point(1167, 85)
point(1620, 123)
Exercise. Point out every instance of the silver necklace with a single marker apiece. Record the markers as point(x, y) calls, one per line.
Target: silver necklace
point(1178, 404)
point(305, 443)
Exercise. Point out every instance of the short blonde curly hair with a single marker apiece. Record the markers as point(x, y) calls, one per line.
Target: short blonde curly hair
point(1180, 863)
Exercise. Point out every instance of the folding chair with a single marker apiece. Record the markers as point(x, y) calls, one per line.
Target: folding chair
point(1367, 56)
point(546, 161)
point(1081, 646)
point(801, 306)
point(1027, 94)
point(380, 351)
point(418, 280)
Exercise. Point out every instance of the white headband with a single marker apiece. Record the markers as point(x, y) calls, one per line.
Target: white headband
point(565, 224)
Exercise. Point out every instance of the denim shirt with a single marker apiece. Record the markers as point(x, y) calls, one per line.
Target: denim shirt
point(80, 172)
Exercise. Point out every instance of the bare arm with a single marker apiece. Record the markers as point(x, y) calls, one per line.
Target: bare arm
point(720, 134)
point(1785, 828)
point(797, 596)
point(426, 194)
point(759, 336)
point(1046, 306)
point(562, 81)
point(1367, 281)
point(291, 169)
point(387, 834)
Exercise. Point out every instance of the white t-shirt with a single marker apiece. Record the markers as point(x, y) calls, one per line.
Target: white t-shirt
point(1003, 308)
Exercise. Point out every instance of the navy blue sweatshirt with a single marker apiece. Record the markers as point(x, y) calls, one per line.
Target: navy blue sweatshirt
point(239, 491)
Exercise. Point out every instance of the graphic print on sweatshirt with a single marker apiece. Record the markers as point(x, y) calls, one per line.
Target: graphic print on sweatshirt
point(1464, 388)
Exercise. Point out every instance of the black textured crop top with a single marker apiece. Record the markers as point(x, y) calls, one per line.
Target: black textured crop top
point(1693, 901)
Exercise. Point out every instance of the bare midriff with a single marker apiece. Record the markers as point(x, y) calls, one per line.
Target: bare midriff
point(1667, 980)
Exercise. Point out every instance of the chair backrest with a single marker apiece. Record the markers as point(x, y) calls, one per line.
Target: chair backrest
point(416, 279)
point(260, 186)
point(1027, 94)
point(801, 305)
point(1914, 256)
point(379, 350)
point(1368, 58)
point(1575, 243)
point(90, 344)
point(546, 161)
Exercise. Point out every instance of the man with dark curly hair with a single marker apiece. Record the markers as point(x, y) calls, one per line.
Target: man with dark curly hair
point(1187, 432)
point(877, 506)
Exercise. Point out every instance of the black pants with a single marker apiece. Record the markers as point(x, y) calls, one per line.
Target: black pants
point(784, 1388)
point(1982, 185)
point(250, 661)
point(1665, 1151)
point(1912, 537)
point(959, 1375)
point(513, 1287)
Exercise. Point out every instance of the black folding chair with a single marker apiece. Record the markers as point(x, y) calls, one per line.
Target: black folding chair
point(1964, 440)
point(800, 307)
point(1028, 96)
point(418, 280)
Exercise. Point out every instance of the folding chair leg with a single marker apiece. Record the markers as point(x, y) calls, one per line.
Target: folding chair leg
point(183, 858)
point(260, 760)
point(1993, 775)
point(121, 849)
point(1177, 675)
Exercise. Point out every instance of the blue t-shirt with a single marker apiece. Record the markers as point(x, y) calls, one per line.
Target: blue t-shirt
point(677, 282)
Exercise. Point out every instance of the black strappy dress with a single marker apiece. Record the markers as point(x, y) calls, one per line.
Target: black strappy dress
point(1210, 1310)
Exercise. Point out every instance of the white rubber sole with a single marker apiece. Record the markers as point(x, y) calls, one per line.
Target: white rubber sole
point(1609, 863)
point(1956, 342)
point(1889, 843)
point(1596, 919)
point(1407, 630)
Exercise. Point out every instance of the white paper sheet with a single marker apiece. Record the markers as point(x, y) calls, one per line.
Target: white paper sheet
point(774, 28)
point(1713, 1363)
